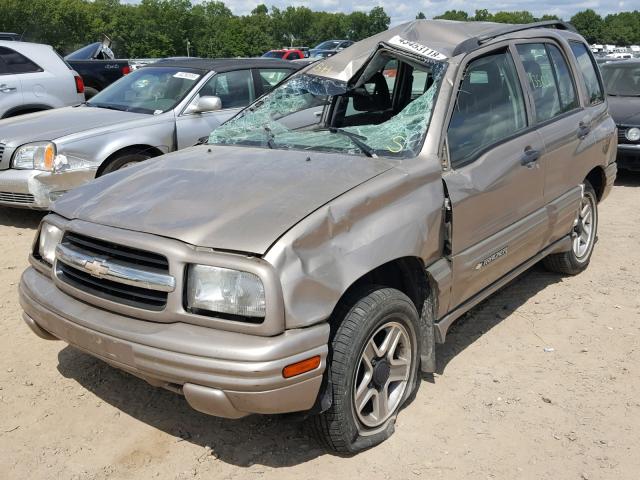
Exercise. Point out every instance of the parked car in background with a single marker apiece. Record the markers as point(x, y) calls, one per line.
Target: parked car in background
point(33, 77)
point(97, 66)
point(285, 54)
point(311, 255)
point(10, 36)
point(622, 84)
point(154, 110)
point(329, 48)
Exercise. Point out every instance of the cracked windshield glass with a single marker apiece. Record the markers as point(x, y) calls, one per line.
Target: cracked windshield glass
point(385, 113)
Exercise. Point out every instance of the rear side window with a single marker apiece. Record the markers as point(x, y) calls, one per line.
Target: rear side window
point(3, 68)
point(17, 63)
point(271, 77)
point(293, 56)
point(588, 69)
point(548, 79)
point(489, 108)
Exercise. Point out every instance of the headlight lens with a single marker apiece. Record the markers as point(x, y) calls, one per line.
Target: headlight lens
point(633, 134)
point(50, 237)
point(226, 291)
point(35, 156)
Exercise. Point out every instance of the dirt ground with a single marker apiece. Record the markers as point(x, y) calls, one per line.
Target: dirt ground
point(542, 381)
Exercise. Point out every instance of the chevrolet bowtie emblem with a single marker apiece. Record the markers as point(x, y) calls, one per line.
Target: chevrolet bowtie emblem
point(97, 268)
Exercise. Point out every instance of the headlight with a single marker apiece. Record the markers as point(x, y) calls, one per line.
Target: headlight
point(221, 290)
point(50, 237)
point(35, 156)
point(633, 134)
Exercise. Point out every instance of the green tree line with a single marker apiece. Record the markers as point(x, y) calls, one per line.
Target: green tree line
point(617, 28)
point(158, 28)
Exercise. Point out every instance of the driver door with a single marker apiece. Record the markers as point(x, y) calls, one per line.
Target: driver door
point(235, 90)
point(495, 183)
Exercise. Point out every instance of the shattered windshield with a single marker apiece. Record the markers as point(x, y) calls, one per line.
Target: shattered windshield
point(385, 113)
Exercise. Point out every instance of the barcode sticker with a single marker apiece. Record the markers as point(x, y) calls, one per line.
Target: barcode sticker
point(417, 48)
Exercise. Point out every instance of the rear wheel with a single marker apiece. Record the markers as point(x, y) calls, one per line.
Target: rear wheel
point(583, 238)
point(373, 370)
point(124, 161)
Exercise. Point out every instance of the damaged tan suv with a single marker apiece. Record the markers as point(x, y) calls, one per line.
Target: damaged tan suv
point(309, 257)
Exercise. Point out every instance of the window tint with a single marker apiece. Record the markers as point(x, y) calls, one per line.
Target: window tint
point(293, 56)
point(235, 89)
point(553, 94)
point(17, 63)
point(588, 69)
point(271, 77)
point(489, 108)
point(3, 68)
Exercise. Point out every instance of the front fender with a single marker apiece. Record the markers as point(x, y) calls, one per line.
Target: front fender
point(396, 214)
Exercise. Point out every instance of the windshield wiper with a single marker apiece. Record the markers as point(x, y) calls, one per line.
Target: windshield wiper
point(357, 141)
point(108, 106)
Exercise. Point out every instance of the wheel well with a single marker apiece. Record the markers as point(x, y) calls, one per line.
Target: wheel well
point(406, 274)
point(23, 111)
point(152, 151)
point(596, 178)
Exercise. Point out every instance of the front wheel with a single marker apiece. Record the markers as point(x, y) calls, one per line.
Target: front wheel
point(124, 161)
point(583, 237)
point(373, 369)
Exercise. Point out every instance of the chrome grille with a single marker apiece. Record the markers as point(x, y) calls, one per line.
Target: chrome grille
point(114, 272)
point(10, 197)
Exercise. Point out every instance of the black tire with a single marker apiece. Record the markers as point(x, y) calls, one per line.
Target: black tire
point(570, 263)
point(123, 161)
point(89, 93)
point(359, 319)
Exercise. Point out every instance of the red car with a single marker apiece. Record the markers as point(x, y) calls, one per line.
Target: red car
point(284, 54)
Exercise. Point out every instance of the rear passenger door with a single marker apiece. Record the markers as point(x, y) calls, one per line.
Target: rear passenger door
point(235, 90)
point(10, 87)
point(563, 126)
point(495, 184)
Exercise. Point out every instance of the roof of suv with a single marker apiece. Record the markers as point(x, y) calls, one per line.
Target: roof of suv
point(224, 64)
point(447, 38)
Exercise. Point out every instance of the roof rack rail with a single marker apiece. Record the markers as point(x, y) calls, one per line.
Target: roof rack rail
point(475, 42)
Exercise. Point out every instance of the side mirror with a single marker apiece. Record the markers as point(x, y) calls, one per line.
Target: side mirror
point(205, 104)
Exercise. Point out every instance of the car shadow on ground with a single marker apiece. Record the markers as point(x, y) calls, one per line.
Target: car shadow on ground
point(498, 307)
point(20, 218)
point(625, 178)
point(275, 441)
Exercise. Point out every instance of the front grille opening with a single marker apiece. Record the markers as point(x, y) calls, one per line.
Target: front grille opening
point(10, 197)
point(114, 251)
point(113, 291)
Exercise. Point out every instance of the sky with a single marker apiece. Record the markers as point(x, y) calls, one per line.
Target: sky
point(404, 10)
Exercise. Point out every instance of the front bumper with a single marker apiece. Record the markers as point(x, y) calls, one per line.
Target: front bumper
point(226, 374)
point(37, 189)
point(628, 157)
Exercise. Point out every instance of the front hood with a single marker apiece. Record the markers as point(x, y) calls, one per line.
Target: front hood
point(625, 110)
point(226, 197)
point(59, 122)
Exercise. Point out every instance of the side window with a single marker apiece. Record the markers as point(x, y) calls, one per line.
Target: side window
point(3, 68)
point(269, 78)
point(235, 89)
point(490, 107)
point(553, 94)
point(588, 69)
point(564, 79)
point(293, 56)
point(17, 63)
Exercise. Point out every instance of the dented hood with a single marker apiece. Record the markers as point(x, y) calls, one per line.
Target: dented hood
point(228, 198)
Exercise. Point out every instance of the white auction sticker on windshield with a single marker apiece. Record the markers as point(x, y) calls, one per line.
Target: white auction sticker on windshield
point(187, 75)
point(417, 48)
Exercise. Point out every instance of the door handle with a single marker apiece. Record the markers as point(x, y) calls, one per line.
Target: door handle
point(583, 130)
point(529, 157)
point(4, 88)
